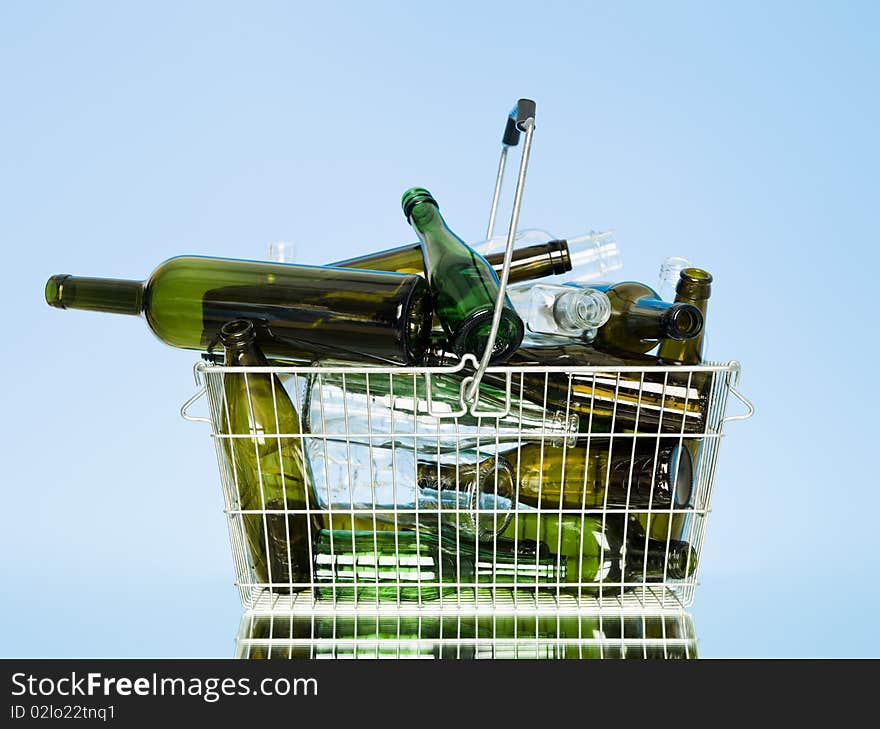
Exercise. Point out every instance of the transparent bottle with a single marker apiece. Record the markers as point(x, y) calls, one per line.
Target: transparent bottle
point(382, 410)
point(670, 270)
point(360, 485)
point(564, 310)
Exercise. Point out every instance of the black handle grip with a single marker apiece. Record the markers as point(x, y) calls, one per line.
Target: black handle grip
point(525, 109)
point(511, 133)
point(516, 120)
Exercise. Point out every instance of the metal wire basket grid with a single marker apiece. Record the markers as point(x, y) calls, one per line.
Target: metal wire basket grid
point(560, 489)
point(600, 636)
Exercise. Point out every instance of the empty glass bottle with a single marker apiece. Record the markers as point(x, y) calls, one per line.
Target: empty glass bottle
point(640, 319)
point(670, 271)
point(535, 261)
point(385, 410)
point(593, 255)
point(419, 565)
point(632, 473)
point(608, 552)
point(300, 312)
point(464, 285)
point(694, 289)
point(366, 485)
point(268, 467)
point(568, 310)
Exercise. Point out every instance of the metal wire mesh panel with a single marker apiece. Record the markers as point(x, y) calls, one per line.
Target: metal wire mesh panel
point(601, 635)
point(576, 488)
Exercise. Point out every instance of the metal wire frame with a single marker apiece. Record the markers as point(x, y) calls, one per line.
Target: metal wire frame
point(600, 635)
point(467, 595)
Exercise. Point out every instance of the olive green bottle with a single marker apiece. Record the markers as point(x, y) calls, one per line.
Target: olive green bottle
point(462, 282)
point(411, 565)
point(608, 551)
point(300, 312)
point(269, 467)
point(693, 289)
point(530, 262)
point(632, 473)
point(640, 319)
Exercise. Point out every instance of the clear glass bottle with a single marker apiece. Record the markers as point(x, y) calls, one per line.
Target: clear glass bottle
point(562, 310)
point(359, 484)
point(670, 270)
point(382, 410)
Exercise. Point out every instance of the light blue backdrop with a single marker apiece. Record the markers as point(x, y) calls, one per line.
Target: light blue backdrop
point(742, 135)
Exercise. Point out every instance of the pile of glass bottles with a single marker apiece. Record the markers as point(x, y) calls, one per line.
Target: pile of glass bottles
point(356, 484)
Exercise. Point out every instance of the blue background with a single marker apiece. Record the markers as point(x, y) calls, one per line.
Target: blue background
point(741, 135)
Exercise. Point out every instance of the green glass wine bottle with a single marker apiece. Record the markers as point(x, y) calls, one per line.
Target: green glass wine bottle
point(694, 288)
point(601, 553)
point(528, 263)
point(634, 473)
point(268, 467)
point(420, 565)
point(640, 319)
point(464, 285)
point(300, 312)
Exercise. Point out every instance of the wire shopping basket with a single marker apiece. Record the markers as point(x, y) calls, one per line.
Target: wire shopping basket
point(554, 490)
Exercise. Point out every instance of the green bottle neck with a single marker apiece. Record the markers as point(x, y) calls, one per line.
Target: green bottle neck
point(239, 340)
point(679, 563)
point(112, 295)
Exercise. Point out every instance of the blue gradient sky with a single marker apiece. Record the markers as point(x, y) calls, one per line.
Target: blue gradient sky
point(741, 135)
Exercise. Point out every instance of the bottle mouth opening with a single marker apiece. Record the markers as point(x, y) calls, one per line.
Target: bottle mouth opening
point(237, 331)
point(697, 275)
point(55, 290)
point(685, 321)
point(414, 196)
point(473, 336)
point(682, 471)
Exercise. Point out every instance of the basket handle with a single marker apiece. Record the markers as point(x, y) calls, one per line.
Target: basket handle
point(198, 369)
point(521, 119)
point(732, 382)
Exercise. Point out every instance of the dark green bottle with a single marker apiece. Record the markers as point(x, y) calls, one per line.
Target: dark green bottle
point(693, 289)
point(300, 312)
point(600, 552)
point(463, 283)
point(640, 319)
point(530, 262)
point(268, 468)
point(418, 565)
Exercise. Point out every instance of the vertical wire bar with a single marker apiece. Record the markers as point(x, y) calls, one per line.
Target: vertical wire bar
point(490, 229)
